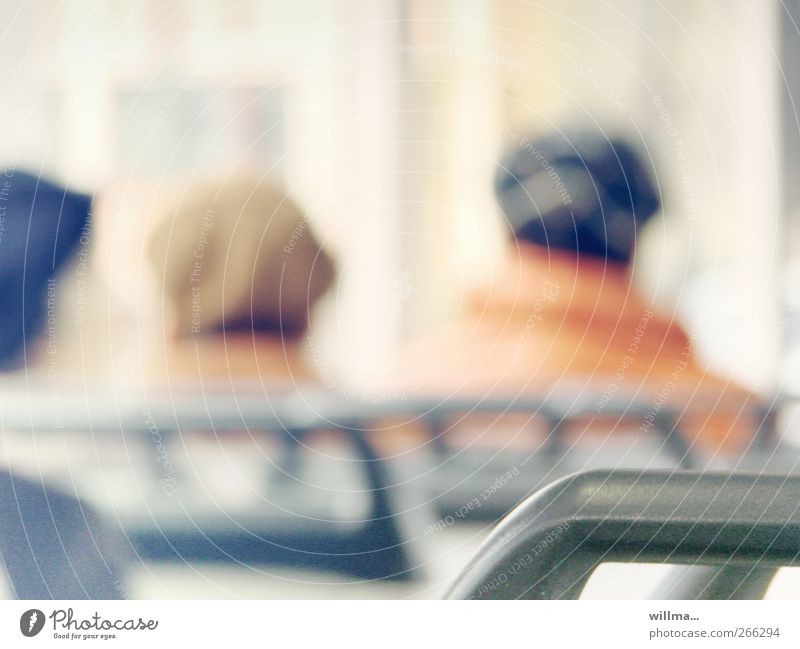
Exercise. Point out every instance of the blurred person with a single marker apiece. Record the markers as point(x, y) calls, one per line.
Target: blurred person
point(239, 272)
point(41, 224)
point(563, 310)
point(52, 545)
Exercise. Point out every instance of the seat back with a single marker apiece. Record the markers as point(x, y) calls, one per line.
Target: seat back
point(548, 547)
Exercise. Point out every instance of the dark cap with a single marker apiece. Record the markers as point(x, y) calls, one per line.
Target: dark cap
point(582, 192)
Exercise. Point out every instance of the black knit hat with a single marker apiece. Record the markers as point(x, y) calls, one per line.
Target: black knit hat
point(583, 192)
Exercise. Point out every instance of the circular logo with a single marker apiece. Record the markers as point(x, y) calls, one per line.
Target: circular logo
point(31, 622)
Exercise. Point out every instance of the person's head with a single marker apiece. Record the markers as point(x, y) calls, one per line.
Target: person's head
point(238, 255)
point(580, 192)
point(42, 224)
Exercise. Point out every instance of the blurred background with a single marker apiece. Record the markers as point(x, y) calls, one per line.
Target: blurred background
point(385, 122)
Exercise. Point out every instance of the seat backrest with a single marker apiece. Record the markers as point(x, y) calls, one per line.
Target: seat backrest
point(548, 547)
point(53, 547)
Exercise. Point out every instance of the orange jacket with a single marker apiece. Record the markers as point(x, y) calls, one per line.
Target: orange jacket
point(553, 319)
